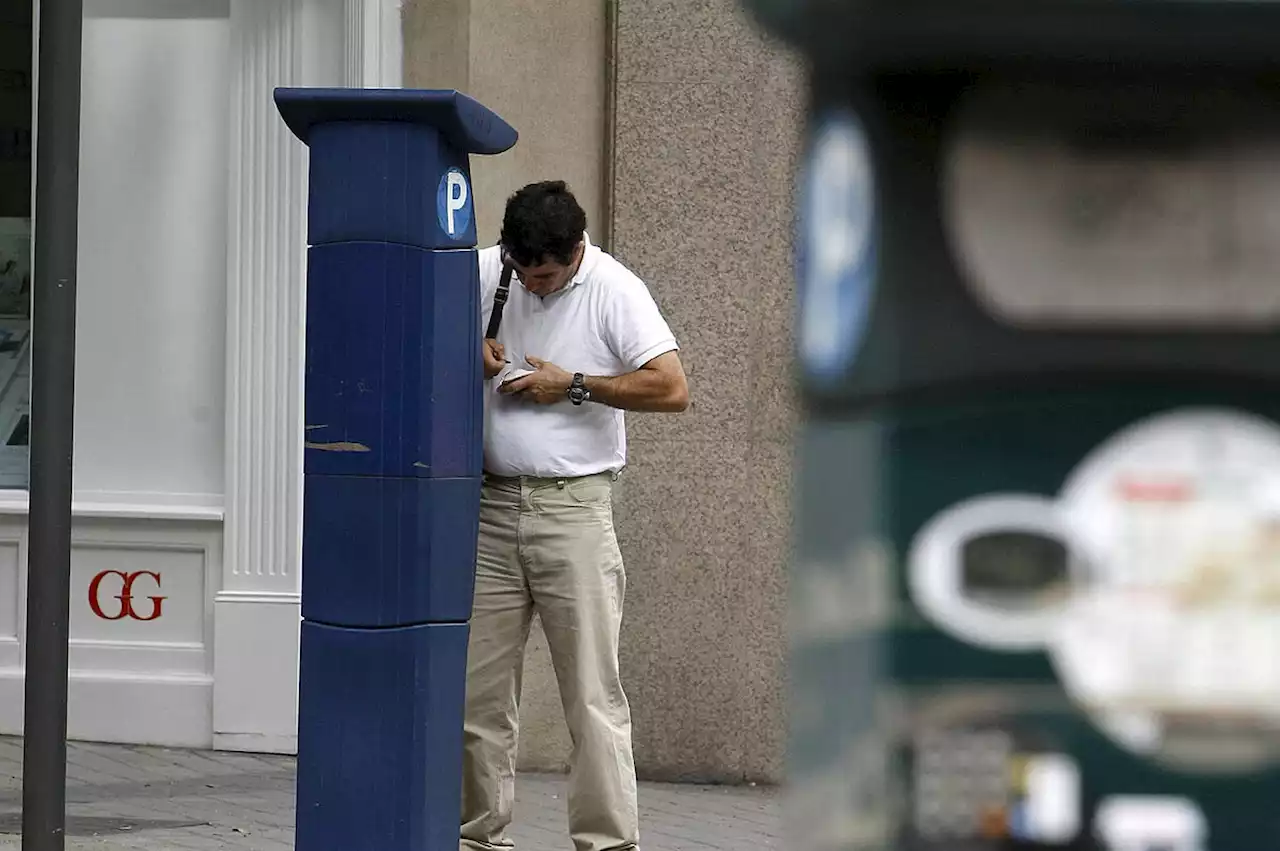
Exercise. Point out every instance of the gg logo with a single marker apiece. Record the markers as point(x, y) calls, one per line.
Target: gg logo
point(125, 596)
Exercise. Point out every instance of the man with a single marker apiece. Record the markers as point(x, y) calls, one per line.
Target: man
point(595, 345)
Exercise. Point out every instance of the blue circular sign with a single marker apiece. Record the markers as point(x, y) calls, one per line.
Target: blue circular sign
point(836, 250)
point(453, 204)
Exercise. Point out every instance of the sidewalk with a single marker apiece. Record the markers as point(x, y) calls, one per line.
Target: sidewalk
point(146, 798)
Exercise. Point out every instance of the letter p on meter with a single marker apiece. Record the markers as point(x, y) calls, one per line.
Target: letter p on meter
point(457, 197)
point(453, 204)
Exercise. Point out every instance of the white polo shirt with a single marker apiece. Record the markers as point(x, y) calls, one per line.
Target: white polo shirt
point(603, 323)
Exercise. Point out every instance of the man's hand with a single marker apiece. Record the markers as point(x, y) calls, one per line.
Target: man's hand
point(495, 358)
point(549, 385)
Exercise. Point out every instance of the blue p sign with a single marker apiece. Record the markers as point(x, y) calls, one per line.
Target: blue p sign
point(453, 204)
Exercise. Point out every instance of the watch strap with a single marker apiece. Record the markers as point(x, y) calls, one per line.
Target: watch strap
point(578, 392)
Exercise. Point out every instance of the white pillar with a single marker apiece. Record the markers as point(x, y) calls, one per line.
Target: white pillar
point(257, 611)
point(374, 57)
point(258, 608)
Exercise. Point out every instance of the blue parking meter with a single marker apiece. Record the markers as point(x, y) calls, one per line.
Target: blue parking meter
point(394, 420)
point(1037, 580)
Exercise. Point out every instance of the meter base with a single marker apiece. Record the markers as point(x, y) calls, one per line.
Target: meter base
point(380, 737)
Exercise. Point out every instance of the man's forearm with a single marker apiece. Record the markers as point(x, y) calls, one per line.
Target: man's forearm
point(645, 390)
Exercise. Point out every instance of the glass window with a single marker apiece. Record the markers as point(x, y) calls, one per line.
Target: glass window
point(16, 90)
point(1141, 206)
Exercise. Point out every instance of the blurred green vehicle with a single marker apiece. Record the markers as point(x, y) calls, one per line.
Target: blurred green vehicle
point(1036, 593)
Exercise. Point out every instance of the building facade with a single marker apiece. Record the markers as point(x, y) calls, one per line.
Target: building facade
point(677, 126)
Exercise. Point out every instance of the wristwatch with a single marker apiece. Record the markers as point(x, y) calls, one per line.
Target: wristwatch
point(578, 392)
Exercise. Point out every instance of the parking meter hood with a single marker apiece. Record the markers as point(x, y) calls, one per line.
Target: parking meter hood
point(467, 126)
point(947, 35)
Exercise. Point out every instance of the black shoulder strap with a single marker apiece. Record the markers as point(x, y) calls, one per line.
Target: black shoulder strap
point(499, 302)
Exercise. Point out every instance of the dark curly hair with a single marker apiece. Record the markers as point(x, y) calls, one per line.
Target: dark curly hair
point(543, 223)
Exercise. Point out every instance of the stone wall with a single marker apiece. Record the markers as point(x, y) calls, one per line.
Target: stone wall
point(708, 127)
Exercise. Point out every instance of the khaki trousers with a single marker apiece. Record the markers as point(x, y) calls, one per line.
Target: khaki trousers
point(548, 546)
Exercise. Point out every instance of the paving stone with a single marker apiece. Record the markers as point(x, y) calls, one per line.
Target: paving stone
point(125, 798)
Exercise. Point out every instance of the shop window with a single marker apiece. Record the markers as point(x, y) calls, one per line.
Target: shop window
point(16, 92)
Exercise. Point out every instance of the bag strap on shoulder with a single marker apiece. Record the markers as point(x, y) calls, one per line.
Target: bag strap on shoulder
point(500, 301)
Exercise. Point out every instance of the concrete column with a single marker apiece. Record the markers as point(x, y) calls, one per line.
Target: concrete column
point(709, 120)
point(540, 64)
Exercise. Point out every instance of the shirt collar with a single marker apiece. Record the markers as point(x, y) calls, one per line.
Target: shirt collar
point(590, 256)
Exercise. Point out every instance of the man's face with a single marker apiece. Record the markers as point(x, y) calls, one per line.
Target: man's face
point(549, 276)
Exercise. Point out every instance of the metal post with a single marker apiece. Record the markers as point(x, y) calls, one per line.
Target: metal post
point(53, 343)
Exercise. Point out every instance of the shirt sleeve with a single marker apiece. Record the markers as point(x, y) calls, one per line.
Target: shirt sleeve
point(634, 327)
point(490, 262)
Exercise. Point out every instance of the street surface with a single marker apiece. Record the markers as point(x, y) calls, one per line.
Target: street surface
point(122, 797)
